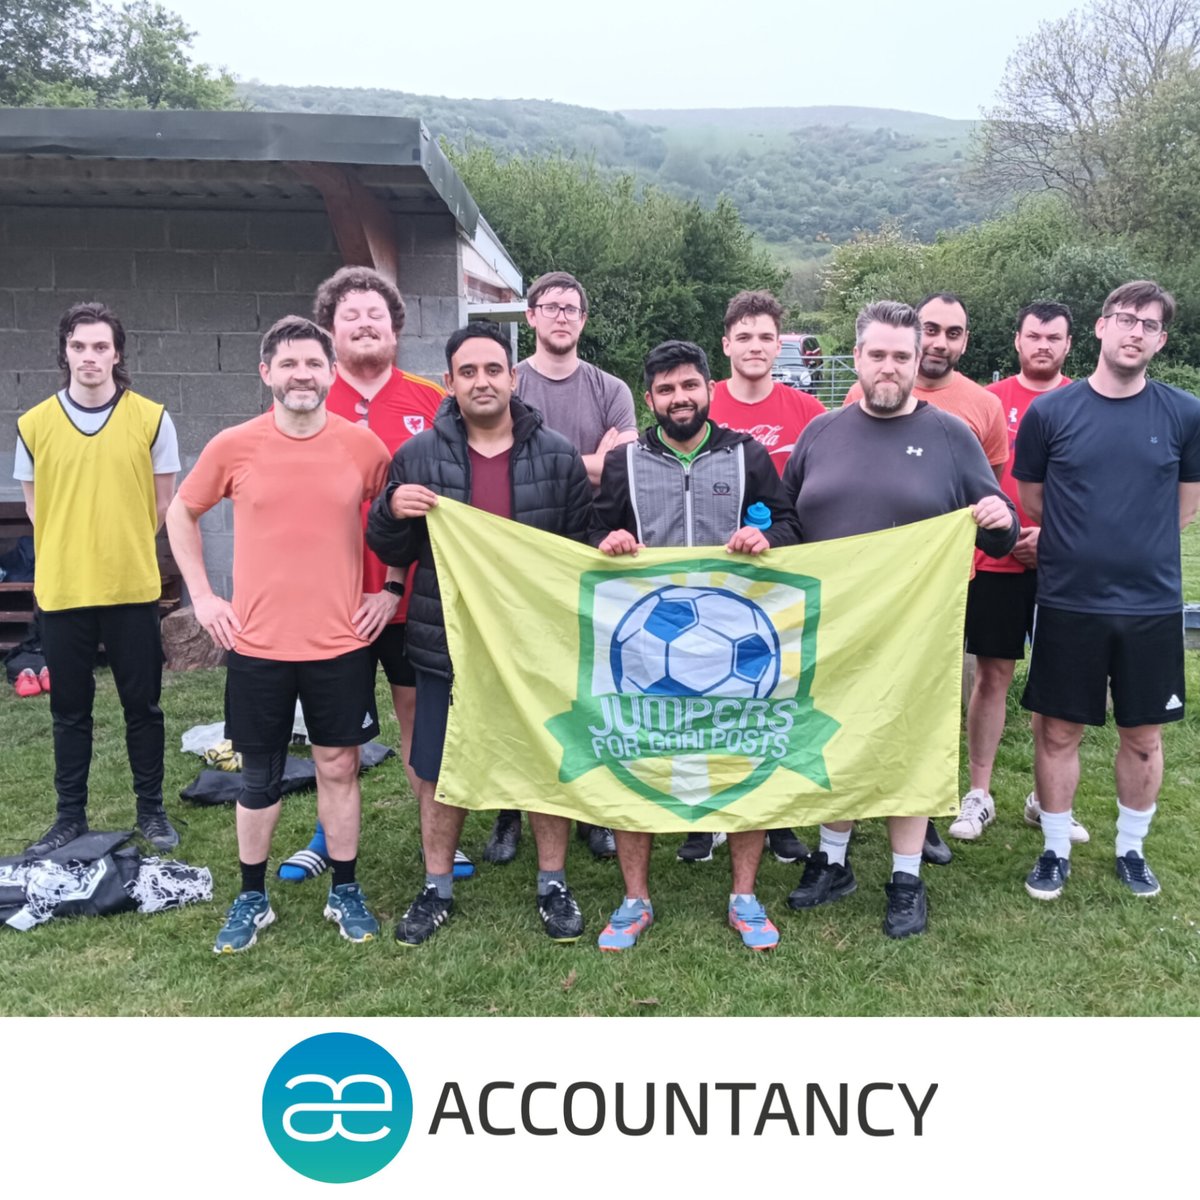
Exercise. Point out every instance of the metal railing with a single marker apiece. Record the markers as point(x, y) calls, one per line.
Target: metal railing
point(832, 379)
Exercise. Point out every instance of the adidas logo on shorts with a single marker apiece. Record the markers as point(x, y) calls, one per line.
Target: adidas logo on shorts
point(367, 720)
point(1173, 703)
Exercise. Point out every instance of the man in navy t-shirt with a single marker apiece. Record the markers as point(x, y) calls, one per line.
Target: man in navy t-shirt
point(1110, 467)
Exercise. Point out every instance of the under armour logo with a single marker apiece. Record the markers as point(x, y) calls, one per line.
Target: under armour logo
point(336, 1088)
point(1154, 441)
point(1012, 416)
point(917, 450)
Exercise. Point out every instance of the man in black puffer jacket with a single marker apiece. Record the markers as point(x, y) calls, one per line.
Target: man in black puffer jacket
point(489, 450)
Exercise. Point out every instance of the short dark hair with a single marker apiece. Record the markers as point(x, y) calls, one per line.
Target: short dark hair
point(476, 329)
point(550, 281)
point(946, 298)
point(753, 304)
point(887, 312)
point(92, 312)
point(356, 279)
point(1045, 311)
point(294, 329)
point(1138, 294)
point(669, 355)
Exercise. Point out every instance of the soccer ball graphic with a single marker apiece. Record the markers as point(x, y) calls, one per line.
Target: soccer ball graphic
point(695, 641)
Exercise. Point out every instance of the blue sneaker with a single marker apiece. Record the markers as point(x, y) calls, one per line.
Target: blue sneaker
point(626, 925)
point(750, 919)
point(1048, 877)
point(1134, 872)
point(347, 906)
point(249, 913)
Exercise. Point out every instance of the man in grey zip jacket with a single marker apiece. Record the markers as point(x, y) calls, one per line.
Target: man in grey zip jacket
point(687, 482)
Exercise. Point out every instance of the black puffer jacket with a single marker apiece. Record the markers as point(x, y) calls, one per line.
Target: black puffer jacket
point(550, 491)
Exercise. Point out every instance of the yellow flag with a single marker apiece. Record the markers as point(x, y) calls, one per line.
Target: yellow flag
point(692, 689)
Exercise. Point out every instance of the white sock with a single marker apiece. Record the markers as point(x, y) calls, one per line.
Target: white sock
point(1132, 827)
point(1056, 828)
point(909, 863)
point(735, 896)
point(834, 843)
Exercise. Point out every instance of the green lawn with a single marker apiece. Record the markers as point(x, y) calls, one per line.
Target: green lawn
point(989, 949)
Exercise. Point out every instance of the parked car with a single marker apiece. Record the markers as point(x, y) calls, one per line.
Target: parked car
point(799, 362)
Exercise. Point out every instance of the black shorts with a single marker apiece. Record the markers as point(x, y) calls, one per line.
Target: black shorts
point(1000, 613)
point(389, 652)
point(1075, 655)
point(338, 695)
point(429, 725)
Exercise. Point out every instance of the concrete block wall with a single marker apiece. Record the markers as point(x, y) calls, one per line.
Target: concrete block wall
point(195, 291)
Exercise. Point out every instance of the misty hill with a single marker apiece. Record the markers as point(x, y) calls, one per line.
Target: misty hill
point(801, 177)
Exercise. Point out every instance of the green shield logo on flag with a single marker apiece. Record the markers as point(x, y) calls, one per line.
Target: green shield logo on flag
point(694, 682)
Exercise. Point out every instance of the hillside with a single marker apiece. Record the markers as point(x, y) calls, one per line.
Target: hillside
point(801, 177)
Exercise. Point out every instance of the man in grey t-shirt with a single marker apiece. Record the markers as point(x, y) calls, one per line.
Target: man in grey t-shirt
point(593, 410)
point(889, 459)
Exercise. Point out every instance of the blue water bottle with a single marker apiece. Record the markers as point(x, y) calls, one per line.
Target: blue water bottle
point(759, 515)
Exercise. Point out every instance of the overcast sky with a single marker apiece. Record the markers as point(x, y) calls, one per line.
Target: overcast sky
point(618, 54)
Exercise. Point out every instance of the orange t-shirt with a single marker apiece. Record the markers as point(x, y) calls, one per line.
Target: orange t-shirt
point(977, 406)
point(297, 530)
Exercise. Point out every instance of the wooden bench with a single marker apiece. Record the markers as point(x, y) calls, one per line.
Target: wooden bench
point(16, 599)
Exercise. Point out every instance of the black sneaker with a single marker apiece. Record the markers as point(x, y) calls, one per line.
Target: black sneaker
point(1134, 872)
point(1049, 874)
point(424, 915)
point(560, 914)
point(906, 910)
point(786, 846)
point(501, 847)
point(157, 829)
point(934, 851)
point(601, 842)
point(699, 847)
point(64, 830)
point(822, 882)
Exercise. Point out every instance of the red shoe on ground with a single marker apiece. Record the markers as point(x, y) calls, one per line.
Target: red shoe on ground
point(44, 679)
point(26, 684)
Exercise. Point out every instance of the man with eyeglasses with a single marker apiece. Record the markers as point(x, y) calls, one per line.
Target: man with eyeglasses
point(593, 410)
point(1110, 467)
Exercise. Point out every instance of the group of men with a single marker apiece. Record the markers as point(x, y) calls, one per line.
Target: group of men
point(1085, 522)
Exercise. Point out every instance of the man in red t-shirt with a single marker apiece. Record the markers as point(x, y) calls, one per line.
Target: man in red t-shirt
point(364, 313)
point(1000, 602)
point(773, 414)
point(750, 401)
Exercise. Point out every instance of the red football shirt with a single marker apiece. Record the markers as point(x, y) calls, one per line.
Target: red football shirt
point(775, 423)
point(1015, 400)
point(402, 408)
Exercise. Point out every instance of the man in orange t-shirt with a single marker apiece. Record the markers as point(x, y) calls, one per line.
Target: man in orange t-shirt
point(1000, 601)
point(944, 336)
point(364, 313)
point(296, 627)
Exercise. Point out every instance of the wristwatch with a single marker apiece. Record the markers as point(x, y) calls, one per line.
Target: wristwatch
point(394, 586)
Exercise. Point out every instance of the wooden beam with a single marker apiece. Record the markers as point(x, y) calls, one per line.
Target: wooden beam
point(362, 226)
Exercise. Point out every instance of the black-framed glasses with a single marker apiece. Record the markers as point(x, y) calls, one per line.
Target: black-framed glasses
point(1126, 320)
point(571, 311)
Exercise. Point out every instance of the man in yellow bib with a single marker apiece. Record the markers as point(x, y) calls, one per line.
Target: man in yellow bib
point(97, 463)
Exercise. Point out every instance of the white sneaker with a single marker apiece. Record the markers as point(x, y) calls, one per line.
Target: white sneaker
point(977, 813)
point(1033, 816)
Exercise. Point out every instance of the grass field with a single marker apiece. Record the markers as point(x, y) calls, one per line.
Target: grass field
point(989, 949)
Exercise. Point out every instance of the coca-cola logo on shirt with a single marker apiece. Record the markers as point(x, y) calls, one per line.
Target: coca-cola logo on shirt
point(766, 435)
